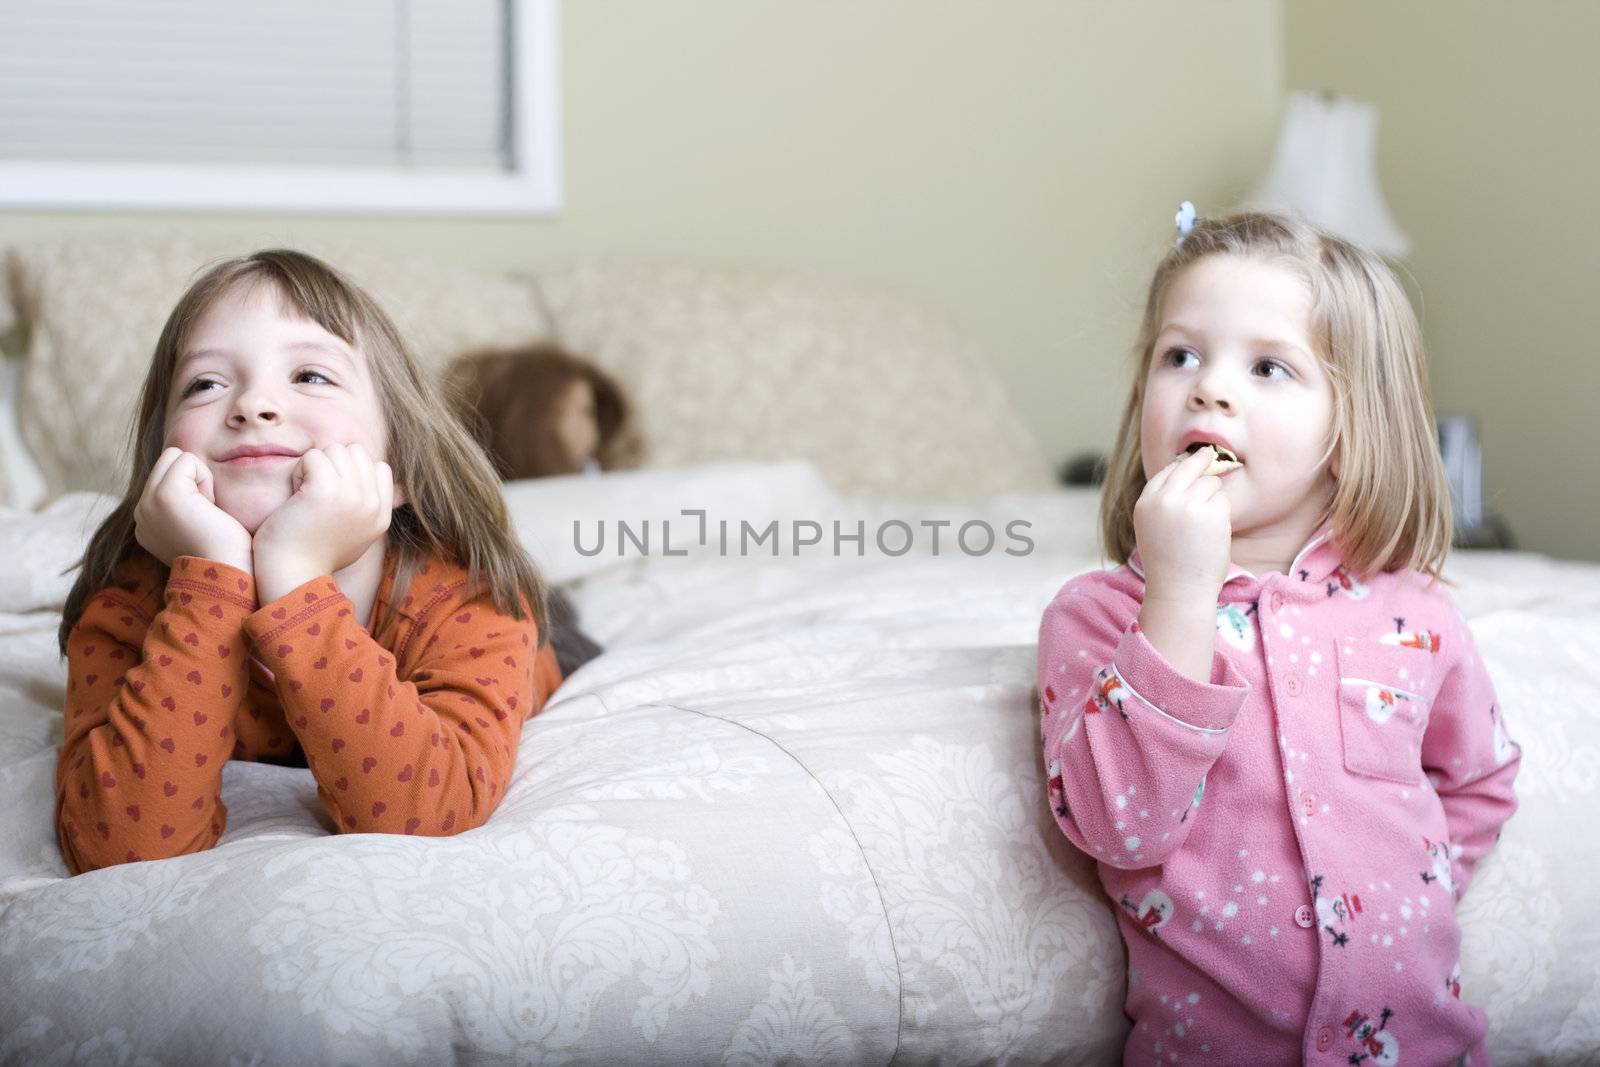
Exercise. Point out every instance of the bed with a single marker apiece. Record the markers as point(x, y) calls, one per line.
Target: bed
point(793, 814)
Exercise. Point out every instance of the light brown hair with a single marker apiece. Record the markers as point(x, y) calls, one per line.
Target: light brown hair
point(453, 505)
point(510, 397)
point(1391, 503)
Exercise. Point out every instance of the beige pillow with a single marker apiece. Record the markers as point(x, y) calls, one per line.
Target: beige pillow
point(741, 363)
point(92, 309)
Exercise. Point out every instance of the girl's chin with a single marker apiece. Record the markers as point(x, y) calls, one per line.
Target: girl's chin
point(251, 509)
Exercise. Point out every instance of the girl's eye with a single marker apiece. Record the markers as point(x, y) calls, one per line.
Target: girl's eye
point(313, 374)
point(195, 386)
point(1177, 357)
point(1272, 369)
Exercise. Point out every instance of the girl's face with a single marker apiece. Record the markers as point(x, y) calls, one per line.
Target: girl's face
point(1234, 364)
point(255, 387)
point(577, 424)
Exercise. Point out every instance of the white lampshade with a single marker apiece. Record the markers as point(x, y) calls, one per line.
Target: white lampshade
point(1325, 171)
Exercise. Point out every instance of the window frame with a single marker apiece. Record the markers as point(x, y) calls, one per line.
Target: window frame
point(531, 187)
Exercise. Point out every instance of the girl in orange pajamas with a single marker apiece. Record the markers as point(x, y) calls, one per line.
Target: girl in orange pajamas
point(312, 566)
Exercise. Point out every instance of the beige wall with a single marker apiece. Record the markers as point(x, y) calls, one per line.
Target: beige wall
point(1488, 156)
point(1017, 164)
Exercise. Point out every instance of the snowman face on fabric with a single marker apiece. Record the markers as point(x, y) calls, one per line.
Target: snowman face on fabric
point(1235, 626)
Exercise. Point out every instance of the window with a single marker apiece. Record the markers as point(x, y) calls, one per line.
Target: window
point(301, 105)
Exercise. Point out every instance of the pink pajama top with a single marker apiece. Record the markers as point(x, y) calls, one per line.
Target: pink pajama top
point(1285, 843)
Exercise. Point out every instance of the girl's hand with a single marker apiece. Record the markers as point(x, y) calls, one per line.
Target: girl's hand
point(177, 515)
point(1184, 531)
point(341, 504)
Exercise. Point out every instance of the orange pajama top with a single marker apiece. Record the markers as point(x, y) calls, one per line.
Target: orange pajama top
point(409, 730)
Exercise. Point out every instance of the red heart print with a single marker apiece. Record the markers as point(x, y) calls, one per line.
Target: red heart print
point(168, 744)
point(321, 663)
point(192, 639)
point(412, 824)
point(88, 650)
point(338, 743)
point(433, 777)
point(449, 822)
point(499, 715)
point(383, 661)
point(355, 675)
point(200, 719)
point(165, 661)
point(138, 687)
point(511, 702)
point(310, 596)
point(184, 598)
point(138, 770)
point(91, 679)
point(301, 721)
point(405, 775)
point(133, 812)
point(294, 686)
point(194, 677)
point(227, 690)
point(223, 651)
point(350, 822)
point(327, 702)
point(349, 644)
point(167, 831)
point(169, 703)
point(343, 783)
point(284, 650)
point(211, 572)
point(378, 808)
point(199, 802)
point(475, 652)
point(315, 629)
point(484, 681)
point(279, 613)
point(367, 765)
point(509, 662)
point(199, 759)
point(105, 831)
point(397, 729)
point(464, 618)
point(365, 716)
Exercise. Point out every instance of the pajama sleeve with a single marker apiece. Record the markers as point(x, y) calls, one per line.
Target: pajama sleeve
point(154, 680)
point(429, 752)
point(1469, 757)
point(1124, 730)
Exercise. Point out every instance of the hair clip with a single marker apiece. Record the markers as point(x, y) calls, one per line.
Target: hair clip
point(1184, 220)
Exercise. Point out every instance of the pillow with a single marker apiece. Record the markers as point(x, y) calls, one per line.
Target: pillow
point(38, 547)
point(741, 363)
point(92, 309)
point(21, 481)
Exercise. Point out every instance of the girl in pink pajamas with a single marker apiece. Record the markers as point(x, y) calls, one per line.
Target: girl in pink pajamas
point(1269, 725)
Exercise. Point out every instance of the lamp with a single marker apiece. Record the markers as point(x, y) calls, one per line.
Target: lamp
point(1324, 171)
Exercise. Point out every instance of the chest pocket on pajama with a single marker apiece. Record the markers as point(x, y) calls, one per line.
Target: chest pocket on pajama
point(1383, 709)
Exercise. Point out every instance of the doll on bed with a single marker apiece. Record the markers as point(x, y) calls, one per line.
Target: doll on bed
point(541, 411)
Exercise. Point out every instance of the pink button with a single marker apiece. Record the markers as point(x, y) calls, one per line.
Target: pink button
point(1324, 1039)
point(1308, 803)
point(1292, 685)
point(1304, 917)
point(1277, 601)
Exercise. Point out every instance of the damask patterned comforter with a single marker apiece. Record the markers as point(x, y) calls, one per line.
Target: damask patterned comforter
point(794, 814)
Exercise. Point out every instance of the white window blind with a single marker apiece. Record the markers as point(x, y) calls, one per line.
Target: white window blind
point(417, 101)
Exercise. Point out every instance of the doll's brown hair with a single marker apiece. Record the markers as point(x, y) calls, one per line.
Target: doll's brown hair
point(509, 397)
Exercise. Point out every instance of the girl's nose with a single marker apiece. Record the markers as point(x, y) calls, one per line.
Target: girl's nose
point(1210, 391)
point(253, 406)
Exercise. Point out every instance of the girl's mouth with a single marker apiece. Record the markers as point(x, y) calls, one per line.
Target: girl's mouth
point(1224, 462)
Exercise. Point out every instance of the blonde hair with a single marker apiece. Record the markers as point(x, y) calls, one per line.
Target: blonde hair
point(1391, 504)
point(453, 505)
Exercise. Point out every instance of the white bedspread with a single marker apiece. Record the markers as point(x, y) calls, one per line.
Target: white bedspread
point(794, 814)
